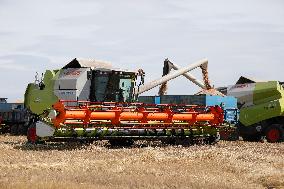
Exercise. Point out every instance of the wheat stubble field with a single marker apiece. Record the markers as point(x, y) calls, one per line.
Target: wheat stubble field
point(151, 165)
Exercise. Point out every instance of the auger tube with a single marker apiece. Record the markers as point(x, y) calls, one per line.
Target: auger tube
point(170, 76)
point(189, 76)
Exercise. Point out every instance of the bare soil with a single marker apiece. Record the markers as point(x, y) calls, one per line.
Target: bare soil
point(144, 165)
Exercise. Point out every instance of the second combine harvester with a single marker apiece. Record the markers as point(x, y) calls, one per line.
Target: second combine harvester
point(92, 100)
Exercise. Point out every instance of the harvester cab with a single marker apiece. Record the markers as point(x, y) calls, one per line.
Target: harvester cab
point(81, 80)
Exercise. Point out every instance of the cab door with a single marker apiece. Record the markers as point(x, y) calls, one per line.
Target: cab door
point(125, 88)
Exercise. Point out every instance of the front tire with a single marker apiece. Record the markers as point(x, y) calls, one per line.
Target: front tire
point(31, 134)
point(248, 133)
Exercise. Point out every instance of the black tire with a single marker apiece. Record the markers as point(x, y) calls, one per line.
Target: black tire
point(21, 130)
point(248, 133)
point(251, 138)
point(234, 135)
point(87, 141)
point(274, 133)
point(121, 142)
point(25, 130)
point(213, 139)
point(14, 129)
point(169, 141)
point(231, 134)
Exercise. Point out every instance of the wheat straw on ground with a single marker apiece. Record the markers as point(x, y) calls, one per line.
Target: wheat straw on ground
point(145, 165)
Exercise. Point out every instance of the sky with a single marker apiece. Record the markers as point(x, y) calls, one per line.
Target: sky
point(240, 37)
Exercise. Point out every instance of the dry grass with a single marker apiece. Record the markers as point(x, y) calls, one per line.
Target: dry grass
point(225, 165)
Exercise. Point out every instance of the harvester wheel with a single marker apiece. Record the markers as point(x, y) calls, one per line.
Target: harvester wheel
point(121, 142)
point(31, 134)
point(87, 141)
point(22, 130)
point(251, 138)
point(213, 139)
point(247, 136)
point(169, 141)
point(231, 134)
point(14, 129)
point(235, 135)
point(274, 133)
point(183, 141)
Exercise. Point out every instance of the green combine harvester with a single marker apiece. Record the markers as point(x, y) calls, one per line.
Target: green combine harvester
point(261, 106)
point(90, 99)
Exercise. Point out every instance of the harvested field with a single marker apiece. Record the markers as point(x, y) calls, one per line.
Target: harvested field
point(151, 165)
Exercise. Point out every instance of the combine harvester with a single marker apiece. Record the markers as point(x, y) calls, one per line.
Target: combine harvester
point(91, 100)
point(261, 106)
